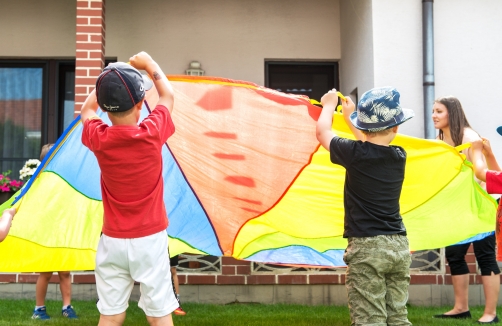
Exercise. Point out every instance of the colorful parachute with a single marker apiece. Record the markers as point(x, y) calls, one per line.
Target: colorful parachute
point(244, 177)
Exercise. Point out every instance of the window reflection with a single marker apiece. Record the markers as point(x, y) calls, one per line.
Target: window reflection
point(20, 117)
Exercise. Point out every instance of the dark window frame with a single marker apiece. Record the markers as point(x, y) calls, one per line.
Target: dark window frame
point(53, 87)
point(32, 63)
point(276, 62)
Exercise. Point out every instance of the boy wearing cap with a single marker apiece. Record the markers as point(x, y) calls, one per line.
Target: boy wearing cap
point(134, 245)
point(377, 255)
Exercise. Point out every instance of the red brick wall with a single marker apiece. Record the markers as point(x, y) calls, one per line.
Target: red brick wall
point(90, 48)
point(238, 272)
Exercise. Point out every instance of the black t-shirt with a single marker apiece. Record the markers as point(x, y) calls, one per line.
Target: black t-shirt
point(373, 182)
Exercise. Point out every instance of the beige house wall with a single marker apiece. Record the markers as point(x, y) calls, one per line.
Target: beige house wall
point(230, 39)
point(357, 64)
point(382, 45)
point(34, 28)
point(468, 52)
point(397, 38)
point(377, 42)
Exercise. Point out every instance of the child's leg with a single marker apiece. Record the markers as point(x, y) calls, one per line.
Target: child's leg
point(41, 288)
point(484, 250)
point(365, 282)
point(174, 274)
point(112, 320)
point(398, 281)
point(160, 321)
point(149, 265)
point(65, 287)
point(455, 256)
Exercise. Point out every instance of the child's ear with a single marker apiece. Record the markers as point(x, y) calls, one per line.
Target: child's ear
point(394, 129)
point(139, 105)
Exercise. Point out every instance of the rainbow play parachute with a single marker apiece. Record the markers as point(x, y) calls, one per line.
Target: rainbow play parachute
point(244, 177)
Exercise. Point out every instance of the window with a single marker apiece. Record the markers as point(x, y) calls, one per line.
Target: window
point(313, 79)
point(36, 105)
point(21, 112)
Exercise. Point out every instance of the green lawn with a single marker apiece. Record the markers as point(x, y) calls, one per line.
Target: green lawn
point(18, 312)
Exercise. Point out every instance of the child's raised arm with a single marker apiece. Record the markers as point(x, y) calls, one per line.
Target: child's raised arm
point(323, 127)
point(477, 159)
point(145, 62)
point(347, 108)
point(89, 107)
point(491, 161)
point(6, 221)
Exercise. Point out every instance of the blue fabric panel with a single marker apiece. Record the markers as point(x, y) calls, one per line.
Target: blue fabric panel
point(300, 255)
point(74, 156)
point(188, 221)
point(475, 238)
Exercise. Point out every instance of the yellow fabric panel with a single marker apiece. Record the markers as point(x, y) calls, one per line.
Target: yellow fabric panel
point(312, 208)
point(280, 240)
point(177, 247)
point(430, 165)
point(460, 211)
point(80, 231)
point(35, 257)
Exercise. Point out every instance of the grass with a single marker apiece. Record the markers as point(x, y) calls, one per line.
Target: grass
point(18, 312)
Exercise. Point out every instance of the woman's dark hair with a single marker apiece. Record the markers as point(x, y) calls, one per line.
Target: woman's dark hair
point(457, 120)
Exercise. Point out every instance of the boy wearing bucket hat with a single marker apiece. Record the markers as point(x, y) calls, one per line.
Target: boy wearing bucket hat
point(377, 255)
point(134, 243)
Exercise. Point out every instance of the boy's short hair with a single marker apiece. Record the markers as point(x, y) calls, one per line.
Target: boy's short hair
point(120, 87)
point(384, 132)
point(379, 109)
point(121, 114)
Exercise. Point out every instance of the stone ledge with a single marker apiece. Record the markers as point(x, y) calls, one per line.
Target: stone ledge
point(322, 294)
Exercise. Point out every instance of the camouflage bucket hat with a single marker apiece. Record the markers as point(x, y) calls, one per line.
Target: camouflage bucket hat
point(379, 109)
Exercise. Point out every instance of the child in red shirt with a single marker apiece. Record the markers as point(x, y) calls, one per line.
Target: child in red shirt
point(493, 178)
point(134, 244)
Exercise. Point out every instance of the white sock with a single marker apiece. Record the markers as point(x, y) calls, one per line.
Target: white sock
point(66, 307)
point(37, 307)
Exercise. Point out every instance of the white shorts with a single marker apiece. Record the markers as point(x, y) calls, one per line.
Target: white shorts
point(121, 262)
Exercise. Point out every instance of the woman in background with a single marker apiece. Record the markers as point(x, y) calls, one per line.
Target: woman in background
point(454, 129)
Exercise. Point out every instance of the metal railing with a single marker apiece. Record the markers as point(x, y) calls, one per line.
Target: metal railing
point(423, 262)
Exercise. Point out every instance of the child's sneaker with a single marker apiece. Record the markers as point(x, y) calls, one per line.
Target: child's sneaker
point(179, 312)
point(69, 313)
point(40, 313)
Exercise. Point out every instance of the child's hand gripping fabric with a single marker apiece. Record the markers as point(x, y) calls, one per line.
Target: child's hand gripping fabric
point(6, 222)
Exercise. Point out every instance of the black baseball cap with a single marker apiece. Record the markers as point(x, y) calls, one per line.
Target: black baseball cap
point(120, 87)
point(499, 130)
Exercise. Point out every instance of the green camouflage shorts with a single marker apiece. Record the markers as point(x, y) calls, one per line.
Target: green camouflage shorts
point(378, 276)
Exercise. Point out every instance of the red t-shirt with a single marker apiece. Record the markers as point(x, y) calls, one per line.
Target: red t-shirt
point(494, 182)
point(130, 159)
point(494, 186)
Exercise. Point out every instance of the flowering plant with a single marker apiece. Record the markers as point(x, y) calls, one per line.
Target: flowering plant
point(28, 169)
point(6, 184)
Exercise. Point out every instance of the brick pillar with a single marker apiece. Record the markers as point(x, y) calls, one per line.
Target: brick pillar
point(90, 48)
